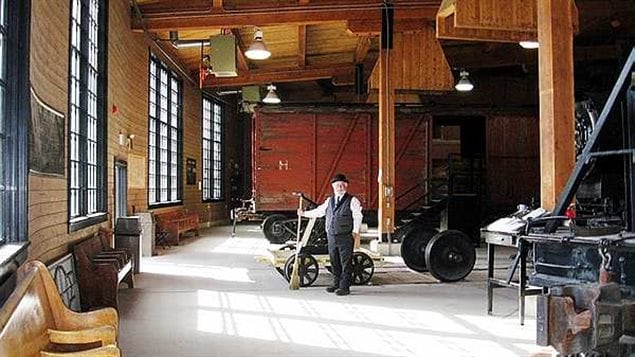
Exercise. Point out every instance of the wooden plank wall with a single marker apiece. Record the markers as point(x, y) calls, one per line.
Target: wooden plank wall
point(512, 15)
point(48, 211)
point(487, 20)
point(417, 62)
point(127, 92)
point(513, 161)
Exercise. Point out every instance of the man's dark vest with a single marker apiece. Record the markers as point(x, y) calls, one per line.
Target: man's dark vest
point(339, 218)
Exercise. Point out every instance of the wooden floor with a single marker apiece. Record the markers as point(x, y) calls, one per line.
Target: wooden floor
point(211, 297)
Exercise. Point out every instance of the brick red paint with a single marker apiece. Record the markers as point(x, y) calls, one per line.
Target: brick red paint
point(300, 152)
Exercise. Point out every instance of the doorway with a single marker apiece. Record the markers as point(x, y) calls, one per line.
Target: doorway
point(457, 151)
point(121, 189)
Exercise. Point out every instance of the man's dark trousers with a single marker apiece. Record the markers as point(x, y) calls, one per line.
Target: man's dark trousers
point(340, 254)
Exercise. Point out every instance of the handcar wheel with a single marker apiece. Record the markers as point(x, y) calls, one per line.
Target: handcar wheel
point(450, 256)
point(308, 269)
point(363, 268)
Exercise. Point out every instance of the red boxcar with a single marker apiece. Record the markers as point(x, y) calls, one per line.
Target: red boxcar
point(300, 151)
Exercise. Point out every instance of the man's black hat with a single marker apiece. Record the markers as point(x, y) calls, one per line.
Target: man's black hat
point(339, 177)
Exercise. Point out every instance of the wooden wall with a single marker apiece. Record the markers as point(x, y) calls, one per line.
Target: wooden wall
point(127, 113)
point(513, 162)
point(48, 211)
point(417, 62)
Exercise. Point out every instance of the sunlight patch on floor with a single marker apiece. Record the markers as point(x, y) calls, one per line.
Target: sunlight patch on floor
point(240, 275)
point(242, 246)
point(327, 310)
point(355, 327)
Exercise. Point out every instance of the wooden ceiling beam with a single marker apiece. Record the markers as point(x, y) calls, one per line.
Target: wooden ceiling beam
point(446, 31)
point(301, 46)
point(243, 65)
point(373, 27)
point(280, 76)
point(180, 17)
point(363, 46)
point(405, 20)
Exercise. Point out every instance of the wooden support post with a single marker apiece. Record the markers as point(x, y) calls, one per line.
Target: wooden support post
point(555, 59)
point(386, 209)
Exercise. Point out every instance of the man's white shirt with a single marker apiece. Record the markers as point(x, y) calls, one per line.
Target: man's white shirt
point(356, 209)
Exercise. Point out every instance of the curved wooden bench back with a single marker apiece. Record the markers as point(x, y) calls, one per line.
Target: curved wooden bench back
point(34, 307)
point(26, 316)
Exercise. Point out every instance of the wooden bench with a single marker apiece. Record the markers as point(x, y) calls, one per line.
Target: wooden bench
point(100, 269)
point(175, 223)
point(35, 322)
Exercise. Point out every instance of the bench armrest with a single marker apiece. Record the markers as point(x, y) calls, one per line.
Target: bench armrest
point(123, 251)
point(107, 261)
point(120, 256)
point(107, 335)
point(106, 351)
point(72, 320)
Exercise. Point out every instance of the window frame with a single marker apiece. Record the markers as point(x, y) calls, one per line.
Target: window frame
point(17, 111)
point(209, 180)
point(160, 65)
point(84, 218)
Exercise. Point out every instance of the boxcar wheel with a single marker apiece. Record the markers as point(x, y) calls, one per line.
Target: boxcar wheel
point(413, 247)
point(308, 269)
point(273, 228)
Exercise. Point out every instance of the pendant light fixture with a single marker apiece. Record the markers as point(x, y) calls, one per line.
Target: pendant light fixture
point(529, 45)
point(271, 97)
point(464, 84)
point(258, 50)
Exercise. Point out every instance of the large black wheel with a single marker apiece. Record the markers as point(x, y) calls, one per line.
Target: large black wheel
point(363, 268)
point(585, 116)
point(413, 247)
point(307, 269)
point(274, 230)
point(404, 230)
point(450, 255)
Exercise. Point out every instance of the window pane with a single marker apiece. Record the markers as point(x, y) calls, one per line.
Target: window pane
point(86, 122)
point(3, 54)
point(212, 149)
point(164, 134)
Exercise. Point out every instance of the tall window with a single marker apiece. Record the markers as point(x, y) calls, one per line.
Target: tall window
point(4, 90)
point(164, 149)
point(87, 116)
point(212, 150)
point(14, 114)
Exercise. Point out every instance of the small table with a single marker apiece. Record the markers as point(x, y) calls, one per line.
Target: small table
point(494, 239)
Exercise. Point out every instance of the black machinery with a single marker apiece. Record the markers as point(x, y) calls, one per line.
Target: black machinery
point(584, 251)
